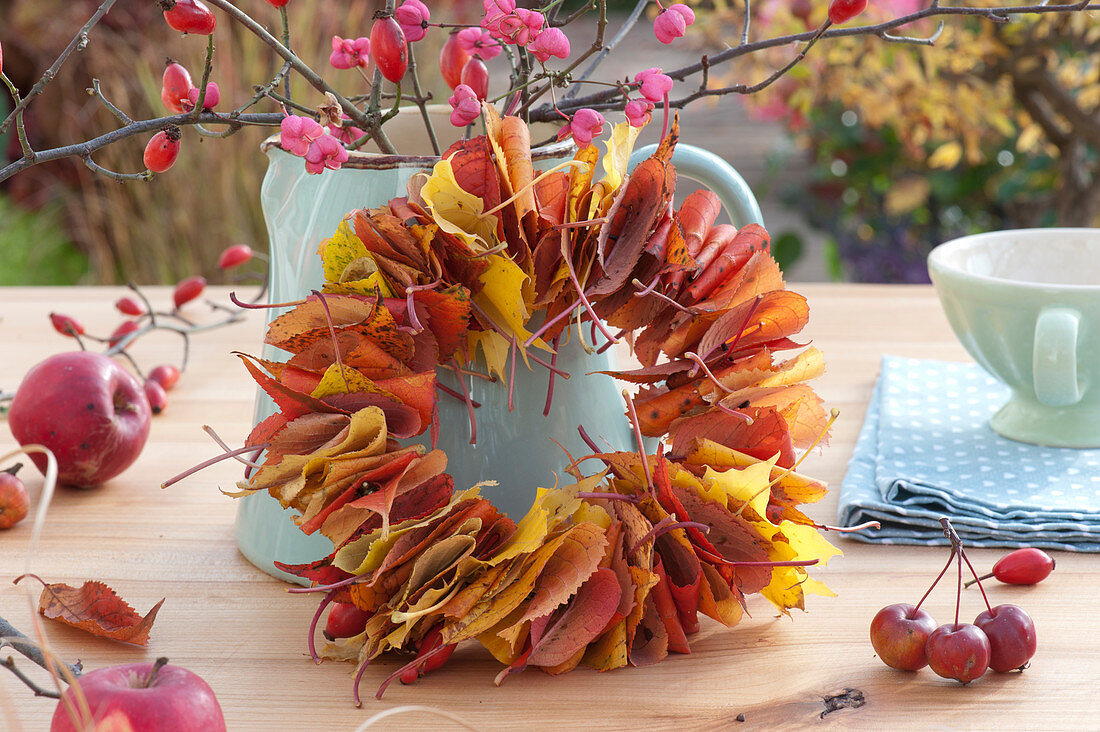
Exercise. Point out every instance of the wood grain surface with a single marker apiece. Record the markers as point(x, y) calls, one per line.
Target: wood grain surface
point(243, 632)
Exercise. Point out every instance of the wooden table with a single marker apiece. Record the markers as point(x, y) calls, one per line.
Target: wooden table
point(245, 634)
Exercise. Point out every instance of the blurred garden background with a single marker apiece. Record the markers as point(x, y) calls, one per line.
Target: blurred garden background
point(864, 157)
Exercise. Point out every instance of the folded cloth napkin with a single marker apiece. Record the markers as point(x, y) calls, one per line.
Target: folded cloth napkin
point(926, 451)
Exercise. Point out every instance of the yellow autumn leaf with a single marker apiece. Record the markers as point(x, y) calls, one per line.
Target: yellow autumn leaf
point(946, 156)
point(619, 147)
point(456, 211)
point(340, 379)
point(494, 349)
point(550, 508)
point(501, 296)
point(340, 250)
point(749, 485)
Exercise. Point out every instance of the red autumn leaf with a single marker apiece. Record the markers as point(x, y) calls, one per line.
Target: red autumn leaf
point(582, 620)
point(292, 403)
point(96, 608)
point(634, 216)
point(448, 317)
point(474, 170)
point(762, 437)
point(356, 350)
point(666, 611)
point(384, 234)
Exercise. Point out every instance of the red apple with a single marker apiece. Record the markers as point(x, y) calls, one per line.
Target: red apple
point(143, 697)
point(88, 410)
point(14, 501)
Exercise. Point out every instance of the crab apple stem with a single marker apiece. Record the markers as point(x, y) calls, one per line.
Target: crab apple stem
point(959, 592)
point(700, 364)
point(976, 579)
point(937, 580)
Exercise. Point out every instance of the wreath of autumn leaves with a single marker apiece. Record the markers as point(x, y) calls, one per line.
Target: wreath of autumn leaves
point(614, 567)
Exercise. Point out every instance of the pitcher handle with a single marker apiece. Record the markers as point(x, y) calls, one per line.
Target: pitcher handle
point(715, 173)
point(1054, 358)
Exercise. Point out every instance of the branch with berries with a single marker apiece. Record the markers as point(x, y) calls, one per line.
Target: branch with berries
point(141, 317)
point(322, 130)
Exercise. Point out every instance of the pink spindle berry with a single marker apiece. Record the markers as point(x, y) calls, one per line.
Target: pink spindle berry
point(465, 105)
point(551, 42)
point(66, 325)
point(519, 27)
point(296, 134)
point(413, 17)
point(638, 112)
point(1, 58)
point(213, 96)
point(234, 256)
point(585, 125)
point(325, 152)
point(478, 42)
point(347, 53)
point(345, 133)
point(653, 84)
point(672, 22)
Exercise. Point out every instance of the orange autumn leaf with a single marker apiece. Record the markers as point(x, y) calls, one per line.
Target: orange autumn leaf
point(96, 608)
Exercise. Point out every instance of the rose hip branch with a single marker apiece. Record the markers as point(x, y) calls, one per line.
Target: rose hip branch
point(324, 129)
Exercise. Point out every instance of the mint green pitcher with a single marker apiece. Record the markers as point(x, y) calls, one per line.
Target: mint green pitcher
point(513, 447)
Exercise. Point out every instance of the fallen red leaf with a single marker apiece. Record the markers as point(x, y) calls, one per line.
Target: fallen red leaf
point(96, 608)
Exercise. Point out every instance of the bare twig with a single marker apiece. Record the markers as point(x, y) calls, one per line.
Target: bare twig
point(79, 41)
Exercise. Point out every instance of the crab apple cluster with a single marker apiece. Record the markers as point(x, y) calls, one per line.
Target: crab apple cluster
point(1001, 637)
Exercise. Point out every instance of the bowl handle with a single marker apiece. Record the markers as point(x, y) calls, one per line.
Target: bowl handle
point(715, 173)
point(1054, 358)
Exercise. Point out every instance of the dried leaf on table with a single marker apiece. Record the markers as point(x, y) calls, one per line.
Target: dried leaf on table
point(96, 608)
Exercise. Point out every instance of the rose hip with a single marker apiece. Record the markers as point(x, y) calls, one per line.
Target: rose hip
point(344, 621)
point(187, 290)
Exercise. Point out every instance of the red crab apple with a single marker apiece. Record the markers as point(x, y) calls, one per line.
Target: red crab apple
point(88, 410)
point(143, 697)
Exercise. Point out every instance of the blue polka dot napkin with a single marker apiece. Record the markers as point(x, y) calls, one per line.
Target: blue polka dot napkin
point(926, 450)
